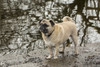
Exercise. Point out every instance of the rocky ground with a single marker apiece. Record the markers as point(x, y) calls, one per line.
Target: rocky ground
point(89, 56)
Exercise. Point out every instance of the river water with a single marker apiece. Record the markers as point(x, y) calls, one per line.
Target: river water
point(19, 27)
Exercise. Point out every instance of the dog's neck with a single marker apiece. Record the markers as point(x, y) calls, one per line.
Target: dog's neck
point(50, 33)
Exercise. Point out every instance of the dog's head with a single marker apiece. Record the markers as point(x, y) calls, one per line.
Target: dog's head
point(46, 26)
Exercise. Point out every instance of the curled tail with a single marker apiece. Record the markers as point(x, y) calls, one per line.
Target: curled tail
point(67, 18)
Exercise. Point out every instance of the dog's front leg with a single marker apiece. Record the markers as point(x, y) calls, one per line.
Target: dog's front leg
point(50, 52)
point(56, 52)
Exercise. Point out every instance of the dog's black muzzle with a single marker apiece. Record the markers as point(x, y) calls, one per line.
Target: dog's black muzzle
point(43, 29)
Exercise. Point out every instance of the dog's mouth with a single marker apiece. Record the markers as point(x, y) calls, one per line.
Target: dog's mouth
point(44, 30)
point(46, 33)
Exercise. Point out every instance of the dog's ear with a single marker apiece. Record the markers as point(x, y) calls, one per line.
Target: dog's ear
point(40, 21)
point(52, 22)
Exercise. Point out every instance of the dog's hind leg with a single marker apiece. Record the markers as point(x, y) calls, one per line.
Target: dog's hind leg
point(63, 48)
point(74, 37)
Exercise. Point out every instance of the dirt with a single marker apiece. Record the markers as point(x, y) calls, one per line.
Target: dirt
point(89, 56)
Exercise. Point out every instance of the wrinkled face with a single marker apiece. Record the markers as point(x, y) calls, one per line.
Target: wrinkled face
point(46, 26)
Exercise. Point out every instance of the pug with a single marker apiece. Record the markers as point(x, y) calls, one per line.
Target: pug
point(55, 34)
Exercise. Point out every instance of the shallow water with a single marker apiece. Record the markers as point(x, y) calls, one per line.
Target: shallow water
point(19, 27)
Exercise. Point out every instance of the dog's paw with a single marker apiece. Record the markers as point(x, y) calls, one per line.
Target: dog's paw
point(49, 57)
point(76, 54)
point(55, 57)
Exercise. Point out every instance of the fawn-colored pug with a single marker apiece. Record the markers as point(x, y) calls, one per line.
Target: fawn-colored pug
point(55, 34)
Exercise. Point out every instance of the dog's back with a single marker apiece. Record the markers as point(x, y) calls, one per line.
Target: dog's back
point(68, 28)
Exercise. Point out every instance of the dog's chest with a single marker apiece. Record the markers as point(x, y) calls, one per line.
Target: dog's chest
point(49, 42)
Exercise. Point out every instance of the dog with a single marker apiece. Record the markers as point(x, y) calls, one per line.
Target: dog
point(55, 34)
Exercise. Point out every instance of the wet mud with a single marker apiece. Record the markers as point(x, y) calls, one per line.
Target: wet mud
point(89, 56)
